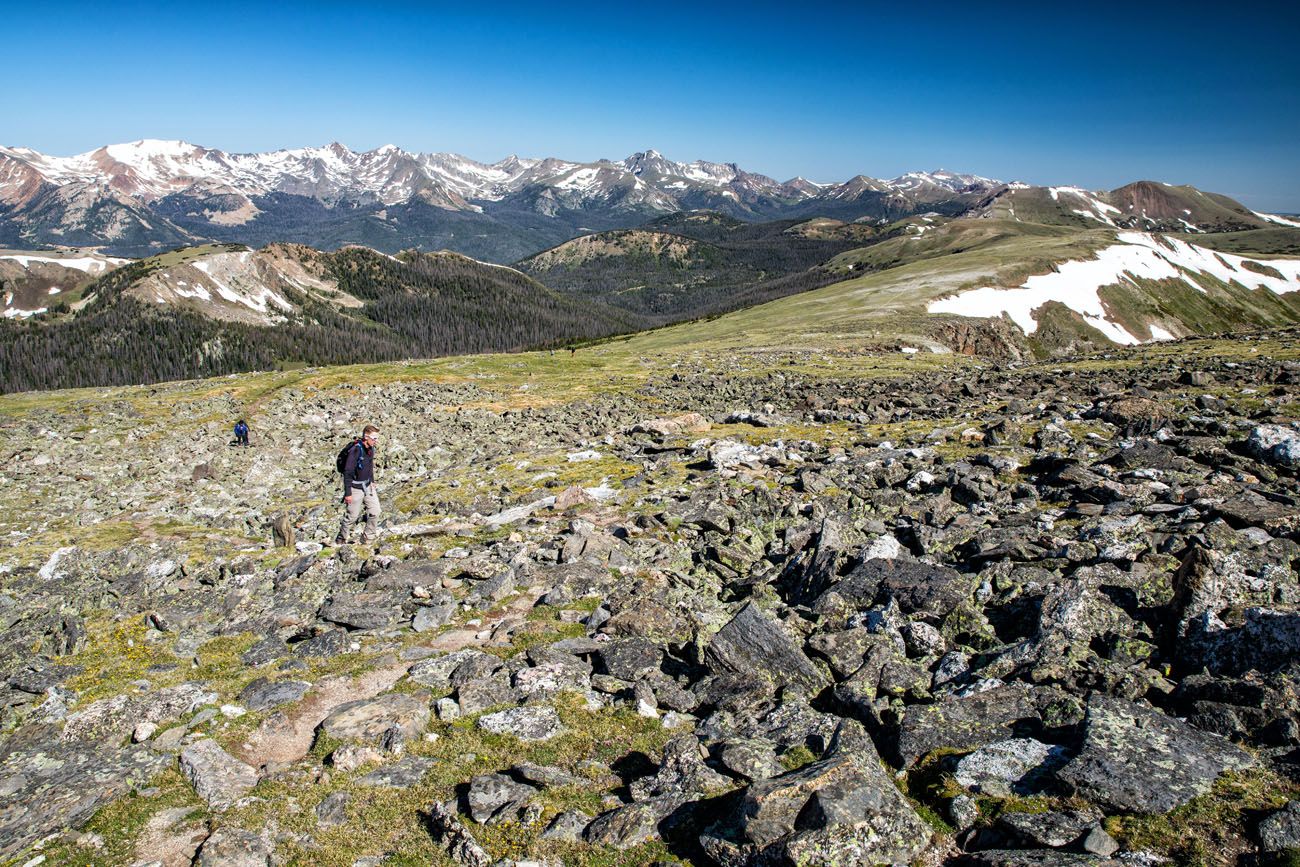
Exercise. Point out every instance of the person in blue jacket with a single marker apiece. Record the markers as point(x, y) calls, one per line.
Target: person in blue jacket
point(358, 467)
point(241, 433)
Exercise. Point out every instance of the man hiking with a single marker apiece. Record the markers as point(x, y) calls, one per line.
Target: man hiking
point(241, 433)
point(358, 466)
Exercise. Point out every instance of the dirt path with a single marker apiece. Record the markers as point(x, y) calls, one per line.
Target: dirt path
point(287, 737)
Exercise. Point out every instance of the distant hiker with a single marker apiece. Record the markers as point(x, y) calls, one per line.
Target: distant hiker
point(241, 433)
point(357, 464)
point(572, 351)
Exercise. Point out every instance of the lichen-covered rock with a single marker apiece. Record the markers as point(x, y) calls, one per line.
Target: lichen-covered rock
point(218, 777)
point(234, 847)
point(528, 723)
point(843, 809)
point(371, 719)
point(1137, 759)
point(753, 643)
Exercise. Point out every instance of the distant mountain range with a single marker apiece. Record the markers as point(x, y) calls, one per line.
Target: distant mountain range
point(140, 198)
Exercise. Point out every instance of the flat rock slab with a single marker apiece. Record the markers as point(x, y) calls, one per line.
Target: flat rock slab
point(1004, 767)
point(1136, 758)
point(370, 719)
point(528, 723)
point(112, 719)
point(401, 774)
point(218, 777)
point(754, 643)
point(234, 847)
point(971, 722)
point(47, 785)
point(263, 694)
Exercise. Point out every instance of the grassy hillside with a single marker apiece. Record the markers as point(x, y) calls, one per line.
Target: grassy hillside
point(696, 263)
point(419, 306)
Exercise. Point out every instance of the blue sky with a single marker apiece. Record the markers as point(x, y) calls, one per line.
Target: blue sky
point(1098, 94)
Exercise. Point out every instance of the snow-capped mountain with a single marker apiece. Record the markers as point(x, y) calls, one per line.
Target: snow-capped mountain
point(149, 194)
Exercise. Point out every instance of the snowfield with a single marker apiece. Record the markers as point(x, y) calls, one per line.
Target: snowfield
point(89, 264)
point(1137, 255)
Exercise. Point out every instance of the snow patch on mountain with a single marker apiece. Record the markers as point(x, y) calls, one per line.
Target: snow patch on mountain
point(88, 264)
point(1274, 218)
point(1137, 255)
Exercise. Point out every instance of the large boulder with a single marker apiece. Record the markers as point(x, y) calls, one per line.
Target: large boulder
point(844, 809)
point(1276, 444)
point(754, 643)
point(1136, 758)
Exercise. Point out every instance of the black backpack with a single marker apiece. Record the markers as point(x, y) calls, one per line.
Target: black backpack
point(341, 462)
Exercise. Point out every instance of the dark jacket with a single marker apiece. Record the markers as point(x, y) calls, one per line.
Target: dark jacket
point(360, 467)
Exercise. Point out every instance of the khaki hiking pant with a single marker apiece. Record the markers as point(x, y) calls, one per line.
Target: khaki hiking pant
point(363, 496)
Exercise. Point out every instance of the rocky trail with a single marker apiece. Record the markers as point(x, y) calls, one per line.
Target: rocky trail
point(785, 608)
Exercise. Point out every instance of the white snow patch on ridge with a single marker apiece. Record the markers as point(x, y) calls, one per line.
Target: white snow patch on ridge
point(1138, 255)
point(80, 263)
point(1274, 218)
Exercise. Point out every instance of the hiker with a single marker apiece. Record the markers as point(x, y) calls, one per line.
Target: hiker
point(241, 433)
point(357, 463)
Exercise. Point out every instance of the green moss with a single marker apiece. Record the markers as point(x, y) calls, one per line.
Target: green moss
point(797, 757)
point(1210, 830)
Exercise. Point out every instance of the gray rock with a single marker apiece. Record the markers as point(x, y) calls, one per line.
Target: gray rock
point(750, 759)
point(528, 723)
point(326, 645)
point(218, 777)
point(628, 658)
point(455, 840)
point(401, 774)
point(967, 723)
point(495, 797)
point(485, 692)
point(1275, 443)
point(546, 776)
point(1137, 759)
point(333, 810)
point(431, 616)
point(844, 808)
point(963, 812)
point(1281, 830)
point(752, 643)
point(369, 720)
point(634, 824)
point(567, 827)
point(116, 717)
point(1006, 767)
point(1037, 858)
point(365, 610)
point(48, 785)
point(681, 771)
point(234, 847)
point(1051, 829)
point(1098, 842)
point(267, 650)
point(263, 694)
point(436, 671)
